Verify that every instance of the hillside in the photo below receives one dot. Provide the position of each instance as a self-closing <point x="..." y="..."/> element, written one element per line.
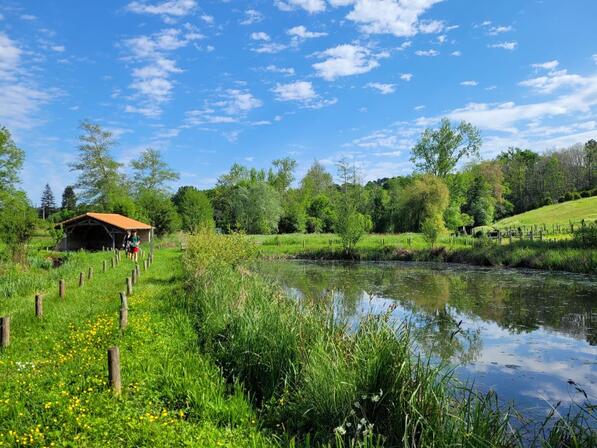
<point x="575" y="211"/>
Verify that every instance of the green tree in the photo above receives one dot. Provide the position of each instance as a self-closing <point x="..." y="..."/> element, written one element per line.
<point x="48" y="204"/>
<point x="294" y="215"/>
<point x="426" y="196"/>
<point x="99" y="177"/>
<point x="17" y="222"/>
<point x="432" y="228"/>
<point x="321" y="215"/>
<point x="69" y="198"/>
<point x="256" y="207"/>
<point x="194" y="209"/>
<point x="282" y="176"/>
<point x="438" y="151"/>
<point x="11" y="160"/>
<point x="351" y="225"/>
<point x="518" y="166"/>
<point x="317" y="181"/>
<point x="157" y="207"/>
<point x="151" y="172"/>
<point x="591" y="162"/>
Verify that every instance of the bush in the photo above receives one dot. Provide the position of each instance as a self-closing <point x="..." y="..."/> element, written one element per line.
<point x="586" y="236"/>
<point x="585" y="194"/>
<point x="562" y="199"/>
<point x="576" y="195"/>
<point x="569" y="196"/>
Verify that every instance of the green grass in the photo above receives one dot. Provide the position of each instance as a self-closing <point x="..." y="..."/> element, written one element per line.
<point x="54" y="388"/>
<point x="558" y="214"/>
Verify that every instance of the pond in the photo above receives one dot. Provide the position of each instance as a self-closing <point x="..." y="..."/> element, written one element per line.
<point x="530" y="336"/>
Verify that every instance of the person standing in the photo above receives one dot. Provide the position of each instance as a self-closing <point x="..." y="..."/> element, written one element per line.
<point x="135" y="244"/>
<point x="126" y="243"/>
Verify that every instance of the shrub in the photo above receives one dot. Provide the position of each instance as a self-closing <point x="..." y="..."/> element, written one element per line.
<point x="586" y="236"/>
<point x="585" y="194"/>
<point x="576" y="195"/>
<point x="568" y="196"/>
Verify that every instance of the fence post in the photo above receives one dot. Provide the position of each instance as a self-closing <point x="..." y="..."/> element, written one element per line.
<point x="61" y="288"/>
<point x="124" y="318"/>
<point x="90" y="273"/>
<point x="81" y="279"/>
<point x="4" y="331"/>
<point x="129" y="287"/>
<point x="134" y="276"/>
<point x="104" y="266"/>
<point x="124" y="303"/>
<point x="39" y="305"/>
<point x="138" y="270"/>
<point x="114" y="370"/>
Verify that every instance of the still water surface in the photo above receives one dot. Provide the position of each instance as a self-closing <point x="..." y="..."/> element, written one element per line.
<point x="524" y="334"/>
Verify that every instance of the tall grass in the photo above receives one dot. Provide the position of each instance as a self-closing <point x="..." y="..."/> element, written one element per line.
<point x="314" y="382"/>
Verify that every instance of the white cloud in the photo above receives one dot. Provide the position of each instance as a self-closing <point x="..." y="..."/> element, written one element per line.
<point x="270" y="48"/>
<point x="28" y="17"/>
<point x="346" y="60"/>
<point x="406" y="76"/>
<point x="10" y="57"/>
<point x="456" y="53"/>
<point x="260" y="36"/>
<point x="377" y="139"/>
<point x="505" y="45"/>
<point x="382" y="88"/>
<point x="430" y="53"/>
<point x="494" y="31"/>
<point x="302" y="33"/>
<point x="58" y="48"/>
<point x="302" y="92"/>
<point x="283" y="70"/>
<point x="251" y="16"/>
<point x="397" y="17"/>
<point x="442" y="39"/>
<point x="550" y="65"/>
<point x="168" y="10"/>
<point x="418" y="108"/>
<point x="295" y="91"/>
<point x="207" y="18"/>
<point x="469" y="83"/>
<point x="152" y="81"/>
<point x="553" y="81"/>
<point x="311" y="6"/>
<point x="238" y="102"/>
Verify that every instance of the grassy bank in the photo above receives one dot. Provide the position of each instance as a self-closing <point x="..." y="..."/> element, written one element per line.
<point x="314" y="381"/>
<point x="563" y="255"/>
<point x="54" y="374"/>
<point x="558" y="214"/>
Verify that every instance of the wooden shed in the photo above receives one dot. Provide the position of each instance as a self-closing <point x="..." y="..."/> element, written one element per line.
<point x="95" y="231"/>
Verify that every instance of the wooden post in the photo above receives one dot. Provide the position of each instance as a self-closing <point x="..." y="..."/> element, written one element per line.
<point x="39" y="305"/>
<point x="81" y="279"/>
<point x="510" y="237"/>
<point x="4" y="331"/>
<point x="138" y="270"/>
<point x="61" y="289"/>
<point x="134" y="277"/>
<point x="145" y="263"/>
<point x="90" y="273"/>
<point x="129" y="287"/>
<point x="112" y="262"/>
<point x="124" y="303"/>
<point x="124" y="318"/>
<point x="104" y="266"/>
<point x="114" y="370"/>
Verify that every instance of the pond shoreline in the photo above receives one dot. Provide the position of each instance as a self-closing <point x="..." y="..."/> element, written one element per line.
<point x="535" y="256"/>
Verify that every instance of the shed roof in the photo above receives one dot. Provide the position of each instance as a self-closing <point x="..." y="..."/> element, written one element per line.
<point x="114" y="219"/>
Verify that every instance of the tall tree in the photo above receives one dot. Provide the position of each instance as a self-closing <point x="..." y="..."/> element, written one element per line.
<point x="591" y="162"/>
<point x="99" y="177"/>
<point x="151" y="172"/>
<point x="194" y="209"/>
<point x="438" y="151"/>
<point x="282" y="176"/>
<point x="69" y="198"/>
<point x="48" y="204"/>
<point x="11" y="160"/>
<point x="317" y="181"/>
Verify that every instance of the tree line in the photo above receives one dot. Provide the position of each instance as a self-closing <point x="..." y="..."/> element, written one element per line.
<point x="451" y="189"/>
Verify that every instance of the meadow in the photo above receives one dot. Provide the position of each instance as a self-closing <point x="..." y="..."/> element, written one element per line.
<point x="557" y="214"/>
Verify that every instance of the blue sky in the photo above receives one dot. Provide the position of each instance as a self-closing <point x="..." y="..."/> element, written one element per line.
<point x="210" y="83"/>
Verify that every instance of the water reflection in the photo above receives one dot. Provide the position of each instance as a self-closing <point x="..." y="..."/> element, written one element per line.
<point x="523" y="334"/>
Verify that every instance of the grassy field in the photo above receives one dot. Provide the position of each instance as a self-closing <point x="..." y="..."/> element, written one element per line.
<point x="54" y="388"/>
<point x="562" y="214"/>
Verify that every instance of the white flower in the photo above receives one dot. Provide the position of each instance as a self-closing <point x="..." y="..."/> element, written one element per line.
<point x="340" y="430"/>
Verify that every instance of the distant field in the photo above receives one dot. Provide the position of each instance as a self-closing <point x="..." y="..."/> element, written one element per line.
<point x="562" y="214"/>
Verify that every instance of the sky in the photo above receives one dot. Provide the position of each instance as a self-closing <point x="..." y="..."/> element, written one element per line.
<point x="211" y="83"/>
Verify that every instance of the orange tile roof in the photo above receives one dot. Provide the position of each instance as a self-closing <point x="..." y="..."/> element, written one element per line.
<point x="114" y="219"/>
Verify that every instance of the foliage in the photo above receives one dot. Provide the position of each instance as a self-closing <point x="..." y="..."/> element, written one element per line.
<point x="48" y="204"/>
<point x="439" y="151"/>
<point x="99" y="177"/>
<point x="432" y="228"/>
<point x="11" y="160"/>
<point x="159" y="210"/>
<point x="17" y="222"/>
<point x="256" y="207"/>
<point x="426" y="196"/>
<point x="150" y="172"/>
<point x="294" y="214"/>
<point x="586" y="236"/>
<point x="194" y="209"/>
<point x="351" y="227"/>
<point x="69" y="198"/>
